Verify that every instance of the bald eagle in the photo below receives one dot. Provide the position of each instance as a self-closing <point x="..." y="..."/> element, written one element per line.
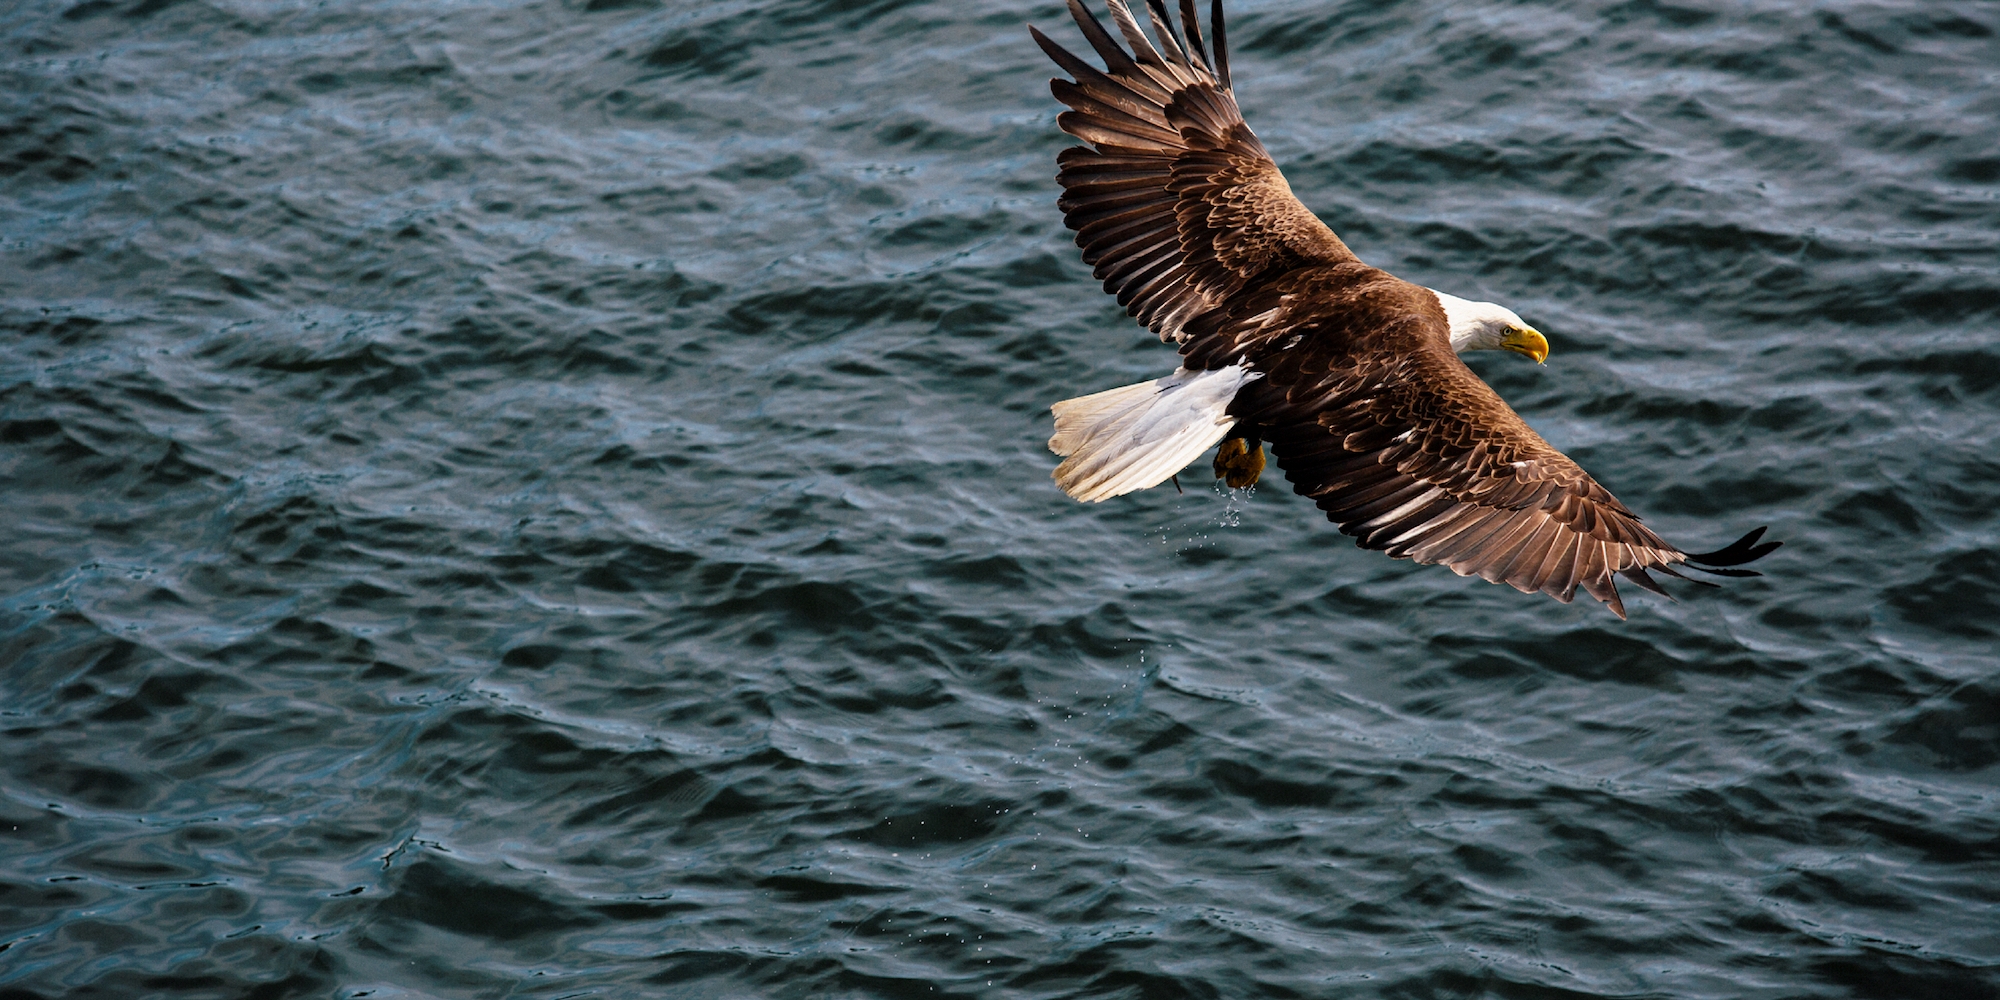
<point x="1350" y="373"/>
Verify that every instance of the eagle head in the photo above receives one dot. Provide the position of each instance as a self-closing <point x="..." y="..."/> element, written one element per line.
<point x="1484" y="326"/>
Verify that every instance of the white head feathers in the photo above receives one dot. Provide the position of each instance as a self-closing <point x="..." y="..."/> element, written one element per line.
<point x="1478" y="326"/>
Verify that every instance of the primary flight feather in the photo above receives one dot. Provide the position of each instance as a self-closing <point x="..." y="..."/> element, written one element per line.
<point x="1350" y="373"/>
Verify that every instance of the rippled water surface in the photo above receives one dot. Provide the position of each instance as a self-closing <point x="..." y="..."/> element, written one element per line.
<point x="548" y="499"/>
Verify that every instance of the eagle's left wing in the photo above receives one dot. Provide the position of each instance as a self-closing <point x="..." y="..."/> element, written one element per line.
<point x="1175" y="203"/>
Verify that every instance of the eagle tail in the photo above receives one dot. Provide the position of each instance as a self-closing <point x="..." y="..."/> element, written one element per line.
<point x="1137" y="436"/>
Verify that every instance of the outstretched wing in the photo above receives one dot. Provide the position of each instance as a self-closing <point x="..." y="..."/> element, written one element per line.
<point x="1175" y="203"/>
<point x="1372" y="415"/>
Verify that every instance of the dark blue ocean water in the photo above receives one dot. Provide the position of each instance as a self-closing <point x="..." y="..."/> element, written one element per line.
<point x="548" y="499"/>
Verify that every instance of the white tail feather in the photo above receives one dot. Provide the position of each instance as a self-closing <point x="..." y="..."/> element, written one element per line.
<point x="1137" y="436"/>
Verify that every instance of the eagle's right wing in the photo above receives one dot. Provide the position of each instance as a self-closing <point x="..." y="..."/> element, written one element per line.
<point x="1175" y="203"/>
<point x="1372" y="415"/>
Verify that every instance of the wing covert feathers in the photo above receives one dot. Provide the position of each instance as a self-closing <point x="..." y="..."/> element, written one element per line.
<point x="1175" y="203"/>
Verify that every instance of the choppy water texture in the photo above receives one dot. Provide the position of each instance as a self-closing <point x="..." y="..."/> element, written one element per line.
<point x="548" y="499"/>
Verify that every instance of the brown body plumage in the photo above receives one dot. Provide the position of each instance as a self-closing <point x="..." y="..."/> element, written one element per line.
<point x="1351" y="373"/>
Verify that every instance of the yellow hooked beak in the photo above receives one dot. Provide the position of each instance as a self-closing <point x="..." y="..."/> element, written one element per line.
<point x="1525" y="340"/>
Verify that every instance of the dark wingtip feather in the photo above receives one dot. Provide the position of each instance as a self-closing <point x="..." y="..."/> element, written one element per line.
<point x="1163" y="25"/>
<point x="1047" y="46"/>
<point x="1191" y="32"/>
<point x="1062" y="57"/>
<point x="1221" y="43"/>
<point x="1678" y="575"/>
<point x="1605" y="589"/>
<point x="1638" y="575"/>
<point x="1736" y="553"/>
<point x="1115" y="58"/>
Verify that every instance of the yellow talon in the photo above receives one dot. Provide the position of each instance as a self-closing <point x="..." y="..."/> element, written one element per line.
<point x="1237" y="464"/>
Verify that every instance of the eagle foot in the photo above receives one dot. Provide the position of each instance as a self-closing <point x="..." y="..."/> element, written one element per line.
<point x="1238" y="463"/>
